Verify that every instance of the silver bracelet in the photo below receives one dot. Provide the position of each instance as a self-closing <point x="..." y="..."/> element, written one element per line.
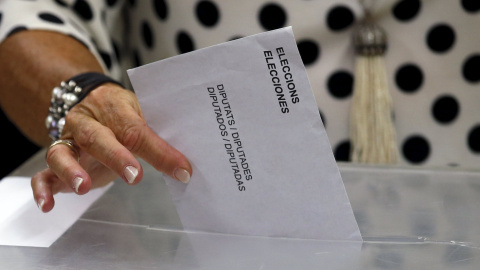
<point x="67" y="95"/>
<point x="63" y="99"/>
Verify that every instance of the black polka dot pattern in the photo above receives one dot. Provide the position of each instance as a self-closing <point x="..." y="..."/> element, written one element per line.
<point x="416" y="149"/>
<point x="309" y="51"/>
<point x="440" y="38"/>
<point x="342" y="151"/>
<point x="207" y="13"/>
<point x="272" y="16"/>
<point x="184" y="42"/>
<point x="471" y="6"/>
<point x="340" y="18"/>
<point x="111" y="3"/>
<point x="83" y="9"/>
<point x="406" y="10"/>
<point x="409" y="78"/>
<point x="16" y="30"/>
<point x="435" y="85"/>
<point x="473" y="139"/>
<point x="340" y="84"/>
<point x="107" y="59"/>
<point x="49" y="17"/>
<point x="471" y="69"/>
<point x="61" y="3"/>
<point x="137" y="61"/>
<point x="161" y="9"/>
<point x="147" y="35"/>
<point x="445" y="109"/>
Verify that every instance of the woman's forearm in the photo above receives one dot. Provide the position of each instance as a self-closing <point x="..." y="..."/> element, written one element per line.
<point x="32" y="64"/>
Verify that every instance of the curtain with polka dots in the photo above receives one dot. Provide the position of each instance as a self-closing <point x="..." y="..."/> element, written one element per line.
<point x="433" y="56"/>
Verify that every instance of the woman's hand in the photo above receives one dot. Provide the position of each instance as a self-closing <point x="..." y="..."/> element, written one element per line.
<point x="108" y="129"/>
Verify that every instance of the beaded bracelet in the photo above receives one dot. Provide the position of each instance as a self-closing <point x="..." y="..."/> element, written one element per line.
<point x="67" y="95"/>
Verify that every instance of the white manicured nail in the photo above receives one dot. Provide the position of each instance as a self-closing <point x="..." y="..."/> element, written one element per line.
<point x="130" y="173"/>
<point x="40" y="204"/>
<point x="77" y="182"/>
<point x="182" y="175"/>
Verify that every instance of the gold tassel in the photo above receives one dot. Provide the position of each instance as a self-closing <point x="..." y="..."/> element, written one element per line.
<point x="371" y="129"/>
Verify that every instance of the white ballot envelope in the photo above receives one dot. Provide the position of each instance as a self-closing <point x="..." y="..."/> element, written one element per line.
<point x="244" y="114"/>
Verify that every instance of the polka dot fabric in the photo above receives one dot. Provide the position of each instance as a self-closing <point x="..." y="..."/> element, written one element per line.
<point x="433" y="57"/>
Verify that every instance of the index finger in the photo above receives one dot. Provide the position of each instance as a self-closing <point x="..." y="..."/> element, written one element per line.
<point x="145" y="143"/>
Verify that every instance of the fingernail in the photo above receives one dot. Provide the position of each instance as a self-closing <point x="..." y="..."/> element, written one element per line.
<point x="40" y="204"/>
<point x="182" y="175"/>
<point x="77" y="182"/>
<point x="130" y="173"/>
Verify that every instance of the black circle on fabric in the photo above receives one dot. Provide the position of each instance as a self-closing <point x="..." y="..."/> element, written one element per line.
<point x="471" y="5"/>
<point x="272" y="16"/>
<point x="409" y="78"/>
<point x="132" y="3"/>
<point x="79" y="40"/>
<point x="147" y="35"/>
<point x="406" y="10"/>
<point x="207" y="13"/>
<point x="322" y="117"/>
<point x="416" y="149"/>
<point x="137" y="61"/>
<point x="116" y="50"/>
<point x="83" y="9"/>
<point x="16" y="30"/>
<point x="440" y="38"/>
<point x="61" y="3"/>
<point x="107" y="59"/>
<point x="445" y="109"/>
<point x="474" y="139"/>
<point x="49" y="17"/>
<point x="309" y="51"/>
<point x="184" y="42"/>
<point x="339" y="18"/>
<point x="161" y="9"/>
<point x="471" y="69"/>
<point x="342" y="151"/>
<point x="340" y="84"/>
<point x="111" y="3"/>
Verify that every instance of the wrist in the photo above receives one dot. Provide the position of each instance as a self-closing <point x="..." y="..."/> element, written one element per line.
<point x="68" y="94"/>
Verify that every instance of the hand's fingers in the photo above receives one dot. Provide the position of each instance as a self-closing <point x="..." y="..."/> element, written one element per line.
<point x="146" y="144"/>
<point x="100" y="142"/>
<point x="118" y="110"/>
<point x="132" y="132"/>
<point x="44" y="185"/>
<point x="62" y="161"/>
